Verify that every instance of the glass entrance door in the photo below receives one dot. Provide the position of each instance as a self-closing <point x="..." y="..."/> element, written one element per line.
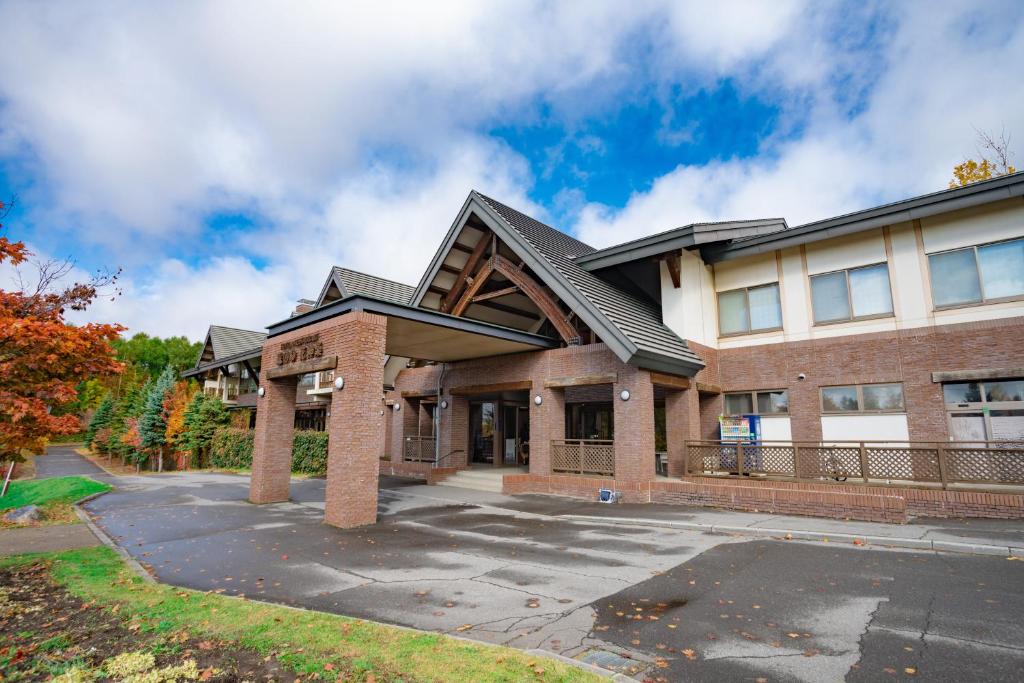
<point x="481" y="420"/>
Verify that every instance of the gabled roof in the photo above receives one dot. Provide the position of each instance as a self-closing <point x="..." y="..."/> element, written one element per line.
<point x="231" y="341"/>
<point x="353" y="283"/>
<point x="632" y="328"/>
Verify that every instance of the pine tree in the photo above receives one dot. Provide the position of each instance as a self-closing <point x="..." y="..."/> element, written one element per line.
<point x="153" y="420"/>
<point x="126" y="412"/>
<point x="100" y="419"/>
<point x="203" y="417"/>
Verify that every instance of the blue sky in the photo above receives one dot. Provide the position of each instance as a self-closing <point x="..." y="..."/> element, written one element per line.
<point x="227" y="154"/>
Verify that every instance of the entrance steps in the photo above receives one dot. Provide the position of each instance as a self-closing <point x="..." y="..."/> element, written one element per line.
<point x="478" y="479"/>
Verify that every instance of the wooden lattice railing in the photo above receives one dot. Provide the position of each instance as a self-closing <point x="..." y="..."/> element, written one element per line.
<point x="419" y="449"/>
<point x="583" y="456"/>
<point x="875" y="462"/>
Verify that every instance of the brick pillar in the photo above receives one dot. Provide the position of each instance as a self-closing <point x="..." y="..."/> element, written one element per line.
<point x="455" y="431"/>
<point x="682" y="423"/>
<point x="634" y="426"/>
<point x="355" y="424"/>
<point x="272" y="440"/>
<point x="547" y="422"/>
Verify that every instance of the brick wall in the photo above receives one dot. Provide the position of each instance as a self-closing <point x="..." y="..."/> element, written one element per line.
<point x="907" y="356"/>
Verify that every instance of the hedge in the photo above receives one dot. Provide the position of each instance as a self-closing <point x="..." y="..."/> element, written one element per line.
<point x="232" y="449"/>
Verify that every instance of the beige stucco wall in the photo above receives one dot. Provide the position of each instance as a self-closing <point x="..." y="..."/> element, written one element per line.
<point x="691" y="311"/>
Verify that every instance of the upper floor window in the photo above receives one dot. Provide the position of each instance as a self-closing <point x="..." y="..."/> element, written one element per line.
<point x="851" y="294"/>
<point x="975" y="275"/>
<point x="751" y="309"/>
<point x="774" y="402"/>
<point x="863" y="398"/>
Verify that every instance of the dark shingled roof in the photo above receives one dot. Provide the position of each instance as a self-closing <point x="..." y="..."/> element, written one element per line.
<point x="353" y="283"/>
<point x="637" y="320"/>
<point x="231" y="341"/>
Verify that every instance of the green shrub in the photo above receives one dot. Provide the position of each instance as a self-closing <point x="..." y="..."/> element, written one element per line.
<point x="232" y="449"/>
<point x="309" y="452"/>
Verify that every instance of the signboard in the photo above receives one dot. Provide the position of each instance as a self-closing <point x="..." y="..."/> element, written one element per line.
<point x="303" y="348"/>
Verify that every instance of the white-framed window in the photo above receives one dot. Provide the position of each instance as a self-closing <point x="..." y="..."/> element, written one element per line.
<point x="863" y="398"/>
<point x="750" y="309"/>
<point x="768" y="402"/>
<point x="978" y="274"/>
<point x="851" y="294"/>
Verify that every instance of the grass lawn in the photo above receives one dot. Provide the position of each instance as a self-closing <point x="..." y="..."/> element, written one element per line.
<point x="314" y="645"/>
<point x="55" y="496"/>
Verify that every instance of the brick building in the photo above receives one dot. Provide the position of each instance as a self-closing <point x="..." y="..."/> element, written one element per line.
<point x="575" y="368"/>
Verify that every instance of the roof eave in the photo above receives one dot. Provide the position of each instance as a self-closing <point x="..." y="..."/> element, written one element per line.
<point x="1005" y="187"/>
<point x="662" y="363"/>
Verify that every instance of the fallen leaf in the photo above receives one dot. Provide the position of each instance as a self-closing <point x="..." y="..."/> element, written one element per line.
<point x="910" y="670"/>
<point x="689" y="654"/>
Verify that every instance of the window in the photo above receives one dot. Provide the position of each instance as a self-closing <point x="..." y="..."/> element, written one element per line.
<point x="864" y="398"/>
<point x="977" y="274"/>
<point x="752" y="309"/>
<point x="773" y="402"/>
<point x="851" y="294"/>
<point x="984" y="392"/>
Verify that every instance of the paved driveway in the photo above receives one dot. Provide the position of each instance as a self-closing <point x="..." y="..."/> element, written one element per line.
<point x="676" y="605"/>
<point x="63" y="461"/>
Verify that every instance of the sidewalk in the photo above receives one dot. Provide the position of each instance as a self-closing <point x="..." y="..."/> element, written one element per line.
<point x="978" y="536"/>
<point x="46" y="539"/>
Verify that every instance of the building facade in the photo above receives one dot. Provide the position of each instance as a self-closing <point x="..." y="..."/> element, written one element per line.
<point x="579" y="368"/>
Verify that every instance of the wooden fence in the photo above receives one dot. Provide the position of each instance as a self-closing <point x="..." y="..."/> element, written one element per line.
<point x="419" y="449"/>
<point x="583" y="456"/>
<point x="975" y="462"/>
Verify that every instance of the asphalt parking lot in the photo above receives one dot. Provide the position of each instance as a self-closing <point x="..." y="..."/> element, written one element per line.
<point x="656" y="603"/>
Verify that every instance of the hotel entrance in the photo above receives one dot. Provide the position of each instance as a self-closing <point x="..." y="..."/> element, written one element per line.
<point x="500" y="430"/>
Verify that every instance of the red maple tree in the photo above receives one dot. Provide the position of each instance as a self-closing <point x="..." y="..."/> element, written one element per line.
<point x="42" y="356"/>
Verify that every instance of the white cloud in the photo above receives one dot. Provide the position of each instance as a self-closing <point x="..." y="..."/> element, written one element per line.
<point x="941" y="82"/>
<point x="354" y="128"/>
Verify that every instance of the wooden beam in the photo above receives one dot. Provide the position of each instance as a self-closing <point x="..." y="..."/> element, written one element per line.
<point x="458" y="246"/>
<point x="547" y="305"/>
<point x="660" y="379"/>
<point x="450" y="269"/>
<point x="252" y="373"/>
<point x="471" y="389"/>
<point x="467" y="296"/>
<point x="495" y="294"/>
<point x="708" y="388"/>
<point x="303" y="367"/>
<point x="467" y="270"/>
<point x="672" y="263"/>
<point x="419" y="393"/>
<point x="437" y="290"/>
<point x="581" y="381"/>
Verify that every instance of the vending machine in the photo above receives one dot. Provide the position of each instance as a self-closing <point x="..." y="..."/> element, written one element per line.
<point x="745" y="429"/>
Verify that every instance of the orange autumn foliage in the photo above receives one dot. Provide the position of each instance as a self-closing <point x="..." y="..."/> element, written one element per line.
<point x="43" y="358"/>
<point x="175" y="405"/>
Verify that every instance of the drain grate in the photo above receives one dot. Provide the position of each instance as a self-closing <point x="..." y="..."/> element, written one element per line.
<point x="611" y="661"/>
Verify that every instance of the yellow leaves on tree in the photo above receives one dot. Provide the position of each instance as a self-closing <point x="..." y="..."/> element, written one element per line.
<point x="971" y="171"/>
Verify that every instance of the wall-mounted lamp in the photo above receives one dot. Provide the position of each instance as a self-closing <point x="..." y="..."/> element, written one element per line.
<point x="339" y="383"/>
<point x="537" y="400"/>
<point x="624" y="394"/>
<point x="444" y="405"/>
<point x="261" y="391"/>
<point x="397" y="407"/>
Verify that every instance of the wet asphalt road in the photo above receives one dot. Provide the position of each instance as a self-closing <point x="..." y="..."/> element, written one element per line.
<point x="505" y="570"/>
<point x="62" y="461"/>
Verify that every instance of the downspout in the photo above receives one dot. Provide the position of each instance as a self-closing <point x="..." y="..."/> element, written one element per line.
<point x="437" y="415"/>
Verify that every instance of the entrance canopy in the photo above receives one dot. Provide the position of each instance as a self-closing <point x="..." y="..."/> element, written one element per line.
<point x="426" y="334"/>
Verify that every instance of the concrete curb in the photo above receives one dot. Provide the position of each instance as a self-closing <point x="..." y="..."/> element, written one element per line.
<point x="108" y="541"/>
<point x="818" y="536"/>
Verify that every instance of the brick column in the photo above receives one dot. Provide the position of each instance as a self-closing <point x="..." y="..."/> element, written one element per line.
<point x="355" y="424"/>
<point x="682" y="423"/>
<point x="634" y="426"/>
<point x="272" y="440"/>
<point x="454" y="431"/>
<point x="547" y="422"/>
